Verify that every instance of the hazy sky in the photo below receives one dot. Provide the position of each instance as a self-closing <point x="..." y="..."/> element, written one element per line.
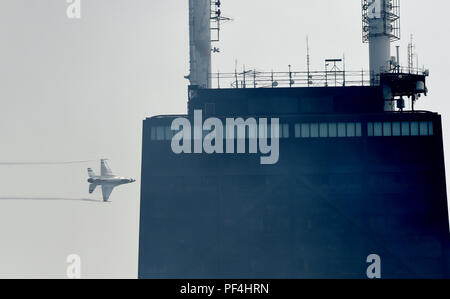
<point x="79" y="90"/>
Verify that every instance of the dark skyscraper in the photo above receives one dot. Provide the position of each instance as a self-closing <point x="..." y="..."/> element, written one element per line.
<point x="357" y="174"/>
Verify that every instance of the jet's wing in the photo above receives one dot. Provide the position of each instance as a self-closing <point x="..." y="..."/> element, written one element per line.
<point x="92" y="188"/>
<point x="106" y="190"/>
<point x="105" y="170"/>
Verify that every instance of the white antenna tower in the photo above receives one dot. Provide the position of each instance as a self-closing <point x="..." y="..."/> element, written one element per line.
<point x="381" y="26"/>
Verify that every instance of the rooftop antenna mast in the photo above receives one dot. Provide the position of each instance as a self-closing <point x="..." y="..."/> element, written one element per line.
<point x="205" y="17"/>
<point x="200" y="43"/>
<point x="381" y="26"/>
<point x="412" y="55"/>
<point x="308" y="61"/>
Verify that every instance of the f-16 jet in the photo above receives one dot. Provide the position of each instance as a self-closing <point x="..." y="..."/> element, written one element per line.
<point x="107" y="180"/>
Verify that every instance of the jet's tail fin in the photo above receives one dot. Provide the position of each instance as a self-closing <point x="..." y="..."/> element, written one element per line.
<point x="105" y="169"/>
<point x="91" y="173"/>
<point x="92" y="188"/>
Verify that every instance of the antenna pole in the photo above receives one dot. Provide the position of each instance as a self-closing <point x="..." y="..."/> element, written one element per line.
<point x="308" y="62"/>
<point x="218" y="79"/>
<point x="290" y="76"/>
<point x="343" y="61"/>
<point x="235" y="74"/>
<point x="244" y="84"/>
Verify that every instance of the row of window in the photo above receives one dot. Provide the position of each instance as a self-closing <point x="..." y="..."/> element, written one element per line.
<point x="328" y="130"/>
<point x="404" y="128"/>
<point x="319" y="130"/>
<point x="251" y="132"/>
<point x="161" y="133"/>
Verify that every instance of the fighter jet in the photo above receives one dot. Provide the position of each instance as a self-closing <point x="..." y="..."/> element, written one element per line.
<point x="107" y="180"/>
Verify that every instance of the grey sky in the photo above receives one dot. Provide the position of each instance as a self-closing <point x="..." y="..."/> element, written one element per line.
<point x="79" y="90"/>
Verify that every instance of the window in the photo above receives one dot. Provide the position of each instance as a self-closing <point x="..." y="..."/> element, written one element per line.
<point x="314" y="130"/>
<point x="323" y="130"/>
<point x="298" y="131"/>
<point x="284" y="131"/>
<point x="396" y="129"/>
<point x="342" y="130"/>
<point x="351" y="130"/>
<point x="414" y="128"/>
<point x="423" y="128"/>
<point x="387" y="129"/>
<point x="370" y="129"/>
<point x="405" y="128"/>
<point x="332" y="130"/>
<point x="305" y="130"/>
<point x="430" y="128"/>
<point x="378" y="129"/>
<point x="358" y="130"/>
<point x="160" y="133"/>
<point x="169" y="133"/>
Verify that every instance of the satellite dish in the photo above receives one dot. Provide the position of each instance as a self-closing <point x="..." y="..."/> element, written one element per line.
<point x="274" y="84"/>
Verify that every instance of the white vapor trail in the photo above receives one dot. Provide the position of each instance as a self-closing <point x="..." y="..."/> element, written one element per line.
<point x="45" y="163"/>
<point x="12" y="198"/>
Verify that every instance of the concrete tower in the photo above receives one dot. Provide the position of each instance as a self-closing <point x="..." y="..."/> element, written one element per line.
<point x="381" y="26"/>
<point x="200" y="43"/>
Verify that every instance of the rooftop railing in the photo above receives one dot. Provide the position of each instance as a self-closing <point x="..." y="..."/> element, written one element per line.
<point x="331" y="78"/>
